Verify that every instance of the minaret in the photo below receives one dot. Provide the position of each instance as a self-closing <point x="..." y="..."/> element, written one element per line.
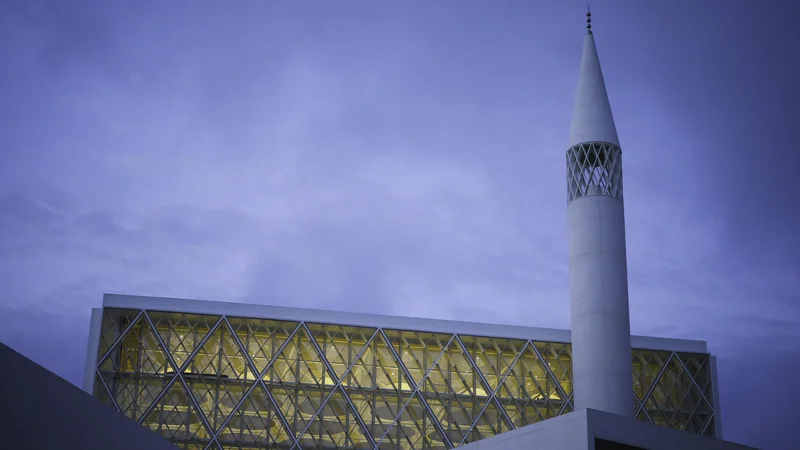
<point x="601" y="333"/>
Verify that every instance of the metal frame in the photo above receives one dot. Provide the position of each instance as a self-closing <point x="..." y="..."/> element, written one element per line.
<point x="338" y="386"/>
<point x="492" y="396"/>
<point x="263" y="384"/>
<point x="260" y="383"/>
<point x="448" y="347"/>
<point x="179" y="373"/>
<point x="649" y="392"/>
<point x="415" y="392"/>
<point x="594" y="168"/>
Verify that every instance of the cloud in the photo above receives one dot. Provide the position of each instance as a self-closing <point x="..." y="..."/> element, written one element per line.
<point x="397" y="160"/>
<point x="402" y="236"/>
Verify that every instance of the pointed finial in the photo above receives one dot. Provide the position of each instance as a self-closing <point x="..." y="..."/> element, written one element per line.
<point x="588" y="19"/>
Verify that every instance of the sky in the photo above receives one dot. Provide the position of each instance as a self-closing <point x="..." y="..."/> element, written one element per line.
<point x="403" y="158"/>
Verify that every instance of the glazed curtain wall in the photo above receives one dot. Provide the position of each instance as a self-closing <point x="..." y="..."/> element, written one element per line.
<point x="211" y="382"/>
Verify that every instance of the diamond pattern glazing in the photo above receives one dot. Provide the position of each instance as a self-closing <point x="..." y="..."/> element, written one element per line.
<point x="211" y="382"/>
<point x="594" y="168"/>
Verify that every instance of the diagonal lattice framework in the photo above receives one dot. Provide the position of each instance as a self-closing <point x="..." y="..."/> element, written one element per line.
<point x="680" y="397"/>
<point x="594" y="168"/>
<point x="218" y="382"/>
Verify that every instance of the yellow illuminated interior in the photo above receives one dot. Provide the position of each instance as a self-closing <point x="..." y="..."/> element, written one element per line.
<point x="337" y="387"/>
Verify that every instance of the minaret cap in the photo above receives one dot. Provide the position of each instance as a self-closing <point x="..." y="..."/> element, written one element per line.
<point x="588" y="19"/>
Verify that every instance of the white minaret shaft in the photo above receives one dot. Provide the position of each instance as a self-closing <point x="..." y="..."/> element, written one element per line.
<point x="601" y="334"/>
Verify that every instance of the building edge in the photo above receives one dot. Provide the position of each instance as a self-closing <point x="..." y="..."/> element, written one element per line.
<point x="92" y="347"/>
<point x="358" y="319"/>
<point x="715" y="397"/>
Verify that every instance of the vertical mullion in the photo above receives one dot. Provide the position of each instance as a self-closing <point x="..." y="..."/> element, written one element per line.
<point x="421" y="398"/>
<point x="493" y="393"/>
<point x="179" y="374"/>
<point x="218" y="379"/>
<point x="277" y="352"/>
<point x="119" y="338"/>
<point x="337" y="386"/>
<point x="138" y="371"/>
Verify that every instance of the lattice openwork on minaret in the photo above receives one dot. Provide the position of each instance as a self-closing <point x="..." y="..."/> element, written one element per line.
<point x="219" y="383"/>
<point x="594" y="168"/>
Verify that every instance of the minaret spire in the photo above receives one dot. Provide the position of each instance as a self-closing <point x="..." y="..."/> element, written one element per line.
<point x="591" y="117"/>
<point x="601" y="335"/>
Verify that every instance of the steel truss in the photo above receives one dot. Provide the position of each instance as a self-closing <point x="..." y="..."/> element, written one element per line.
<point x="594" y="168"/>
<point x="211" y="382"/>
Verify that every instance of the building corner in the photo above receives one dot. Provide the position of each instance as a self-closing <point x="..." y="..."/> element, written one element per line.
<point x="92" y="346"/>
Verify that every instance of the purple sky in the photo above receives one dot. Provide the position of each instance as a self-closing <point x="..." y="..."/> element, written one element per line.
<point x="402" y="158"/>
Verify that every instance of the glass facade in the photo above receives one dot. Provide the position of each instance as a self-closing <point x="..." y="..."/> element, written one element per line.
<point x="222" y="382"/>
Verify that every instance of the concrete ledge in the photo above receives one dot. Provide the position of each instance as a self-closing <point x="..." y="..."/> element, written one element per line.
<point x="579" y="429"/>
<point x="644" y="435"/>
<point x="565" y="432"/>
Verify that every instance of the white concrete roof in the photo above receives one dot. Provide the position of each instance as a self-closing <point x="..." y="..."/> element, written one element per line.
<point x="376" y="321"/>
<point x="578" y="430"/>
<point x="592" y="120"/>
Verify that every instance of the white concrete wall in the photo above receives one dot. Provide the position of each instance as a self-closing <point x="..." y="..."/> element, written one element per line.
<point x="92" y="347"/>
<point x="652" y="437"/>
<point x="567" y="432"/>
<point x="577" y="431"/>
<point x="601" y="336"/>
